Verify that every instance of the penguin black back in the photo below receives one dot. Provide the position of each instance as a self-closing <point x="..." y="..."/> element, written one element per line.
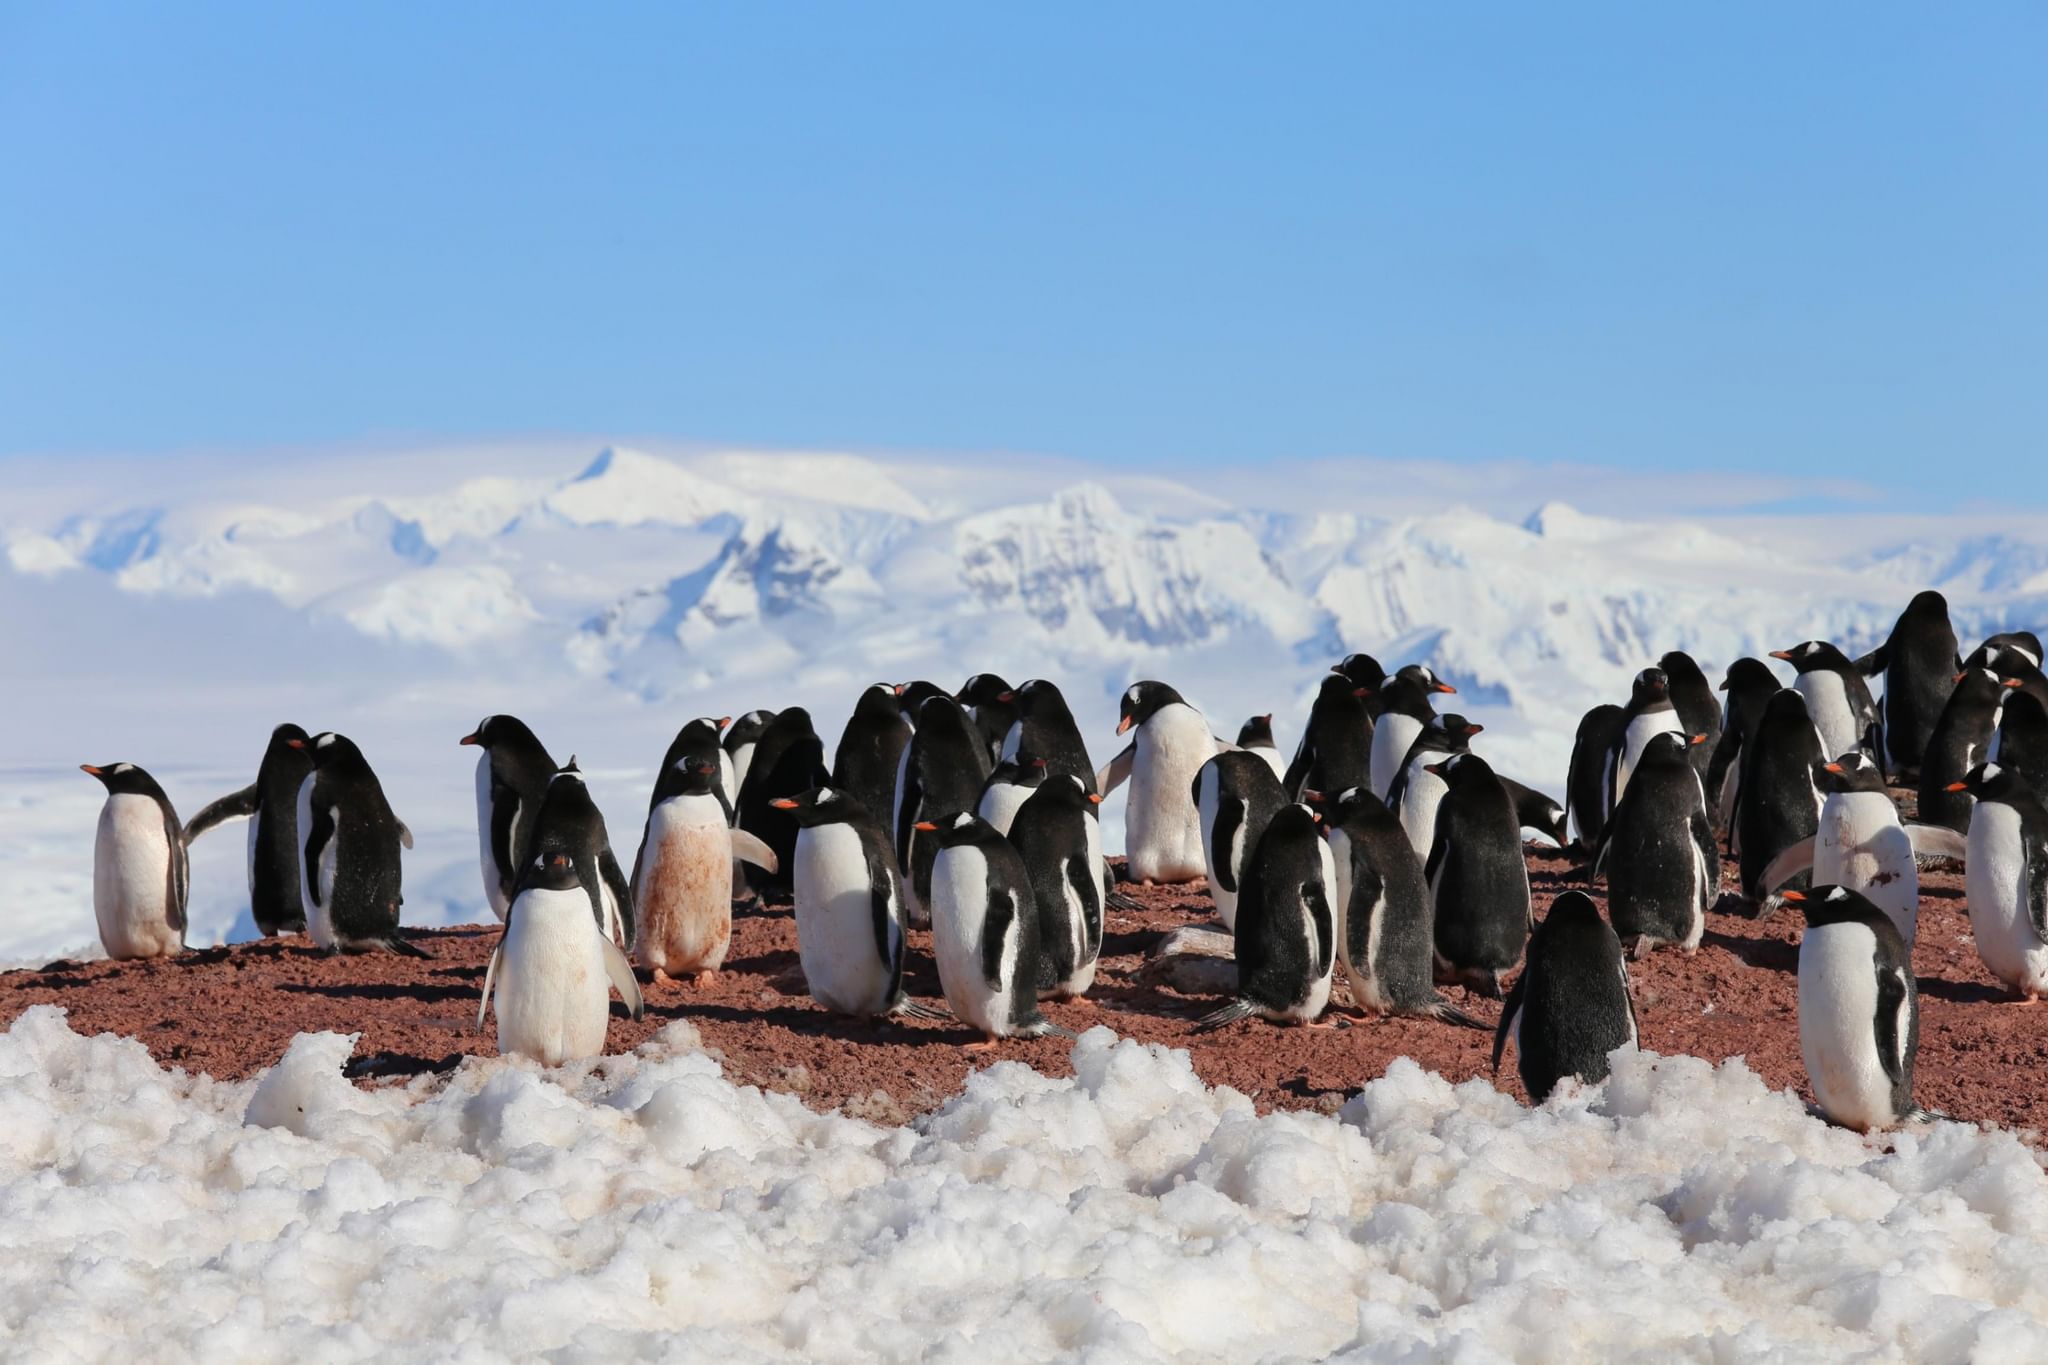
<point x="871" y="748"/>
<point x="1919" y="663"/>
<point x="1750" y="685"/>
<point x="1478" y="880"/>
<point x="2023" y="741"/>
<point x="349" y="848"/>
<point x="1336" y="746"/>
<point x="1778" y="805"/>
<point x="788" y="761"/>
<point x="1961" y="739"/>
<point x="1585" y="788"/>
<point x="1286" y="927"/>
<point x="272" y="802"/>
<point x="1051" y="834"/>
<point x="1699" y="710"/>
<point x="1570" y="1007"/>
<point x="1045" y="727"/>
<point x="948" y="768"/>
<point x="992" y="704"/>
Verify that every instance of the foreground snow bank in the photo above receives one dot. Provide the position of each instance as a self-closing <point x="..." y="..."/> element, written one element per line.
<point x="644" y="1206"/>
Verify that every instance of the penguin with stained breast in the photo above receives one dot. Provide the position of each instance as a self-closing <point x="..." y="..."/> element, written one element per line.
<point x="1058" y="837"/>
<point x="1255" y="737"/>
<point x="1586" y="784"/>
<point x="1778" y="804"/>
<point x="789" y="759"/>
<point x="2006" y="879"/>
<point x="1537" y="812"/>
<point x="1859" y="1010"/>
<point x="349" y="871"/>
<point x="271" y="804"/>
<point x="1404" y="710"/>
<point x="1162" y="825"/>
<point x="849" y="906"/>
<point x="1286" y="928"/>
<point x="553" y="971"/>
<point x="1236" y="796"/>
<point x="1335" y="753"/>
<point x="682" y="876"/>
<point x="1750" y="685"/>
<point x="742" y="737"/>
<point x="140" y="876"/>
<point x="992" y="705"/>
<point x="1662" y="866"/>
<point x="1961" y="740"/>
<point x="1570" y="1008"/>
<point x="1417" y="791"/>
<point x="570" y="822"/>
<point x="1478" y="881"/>
<point x="1651" y="712"/>
<point x="1699" y="710"/>
<point x="1386" y="924"/>
<point x="1045" y="728"/>
<point x="1918" y="662"/>
<point x="1009" y="786"/>
<point x="2022" y="742"/>
<point x="871" y="750"/>
<point x="1837" y="699"/>
<point x="984" y="928"/>
<point x="945" y="769"/>
<point x="512" y="775"/>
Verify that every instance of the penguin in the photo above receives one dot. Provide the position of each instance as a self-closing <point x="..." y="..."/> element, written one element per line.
<point x="1750" y="685"/>
<point x="1662" y="866"/>
<point x="1009" y="786"/>
<point x="984" y="928"/>
<point x="1918" y="663"/>
<point x="742" y="737"/>
<point x="2012" y="662"/>
<point x="871" y="750"/>
<point x="1235" y="796"/>
<point x="911" y="697"/>
<point x="2022" y="742"/>
<point x="1364" y="671"/>
<point x="945" y="769"/>
<point x="1859" y="1010"/>
<point x="271" y="804"/>
<point x="553" y="972"/>
<point x="1585" y="788"/>
<point x="570" y="822"/>
<point x="1571" y="1008"/>
<point x="1045" y="727"/>
<point x="788" y="759"/>
<point x="2006" y="879"/>
<point x="2025" y="641"/>
<point x="1417" y="792"/>
<point x="1404" y="710"/>
<point x="1058" y="837"/>
<point x="1162" y="827"/>
<point x="1255" y="737"/>
<point x="849" y="906"/>
<point x="1650" y="712"/>
<point x="1286" y="929"/>
<point x="1699" y="710"/>
<point x="681" y="887"/>
<point x="349" y="872"/>
<point x="1538" y="812"/>
<point x="1335" y="752"/>
<point x="1778" y="804"/>
<point x="1478" y="881"/>
<point x="1837" y="698"/>
<point x="512" y="775"/>
<point x="1386" y="924"/>
<point x="992" y="706"/>
<point x="1960" y="741"/>
<point x="700" y="739"/>
<point x="140" y="876"/>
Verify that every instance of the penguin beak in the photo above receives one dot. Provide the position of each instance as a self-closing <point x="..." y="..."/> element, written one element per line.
<point x="1698" y="739"/>
<point x="1123" y="725"/>
<point x="94" y="769"/>
<point x="1094" y="798"/>
<point x="1313" y="798"/>
<point x="1957" y="787"/>
<point x="1006" y="697"/>
<point x="466" y="739"/>
<point x="300" y="743"/>
<point x="783" y="803"/>
<point x="1356" y="692"/>
<point x="1831" y="767"/>
<point x="1474" y="729"/>
<point x="1960" y="676"/>
<point x="1796" y="897"/>
<point x="899" y="689"/>
<point x="2012" y="682"/>
<point x="1436" y="769"/>
<point x="1721" y="686"/>
<point x="724" y="721"/>
<point x="928" y="826"/>
<point x="1446" y="687"/>
<point x="1784" y="654"/>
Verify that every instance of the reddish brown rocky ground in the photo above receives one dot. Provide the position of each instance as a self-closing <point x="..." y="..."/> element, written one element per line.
<point x="232" y="1011"/>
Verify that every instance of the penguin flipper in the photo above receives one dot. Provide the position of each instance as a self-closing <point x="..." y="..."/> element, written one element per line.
<point x="1229" y="1014"/>
<point x="620" y="894"/>
<point x="1938" y="841"/>
<point x="1893" y="1033"/>
<point x="234" y="806"/>
<point x="623" y="981"/>
<point x="1118" y="770"/>
<point x="1873" y="663"/>
<point x="1119" y="900"/>
<point x="1444" y="1012"/>
<point x="405" y="947"/>
<point x="490" y="974"/>
<point x="1794" y="860"/>
<point x="748" y="848"/>
<point x="1510" y="1009"/>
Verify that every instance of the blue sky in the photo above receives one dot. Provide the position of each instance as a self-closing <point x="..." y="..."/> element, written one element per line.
<point x="1754" y="238"/>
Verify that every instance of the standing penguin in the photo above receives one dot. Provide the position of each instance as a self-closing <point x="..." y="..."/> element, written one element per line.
<point x="945" y="769"/>
<point x="1651" y="712"/>
<point x="1837" y="698"/>
<point x="992" y="706"/>
<point x="350" y="876"/>
<point x="985" y="929"/>
<point x="140" y="876"/>
<point x="1918" y="663"/>
<point x="1478" y="882"/>
<point x="1778" y="803"/>
<point x="681" y="888"/>
<point x="2023" y="742"/>
<point x="1586" y="785"/>
<point x="2006" y="880"/>
<point x="871" y="750"/>
<point x="1162" y="827"/>
<point x="553" y="972"/>
<point x="1416" y="791"/>
<point x="1404" y="710"/>
<point x="699" y="739"/>
<point x="271" y="804"/>
<point x="1286" y="928"/>
<point x="741" y="739"/>
<point x="1960" y="741"/>
<point x="1059" y="839"/>
<point x="1386" y="925"/>
<point x="1255" y="736"/>
<point x="1335" y="753"/>
<point x="1663" y="868"/>
<point x="789" y="759"/>
<point x="1699" y="711"/>
<point x="1045" y="727"/>
<point x="1236" y="796"/>
<point x="570" y="822"/>
<point x="1859" y="1010"/>
<point x="1750" y="685"/>
<point x="1571" y="1007"/>
<point x="1009" y="786"/>
<point x="849" y="905"/>
<point x="512" y="775"/>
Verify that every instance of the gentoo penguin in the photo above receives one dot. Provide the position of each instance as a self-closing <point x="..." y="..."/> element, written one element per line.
<point x="1585" y="787"/>
<point x="570" y="822"/>
<point x="849" y="905"/>
<point x="1286" y="929"/>
<point x="1404" y="709"/>
<point x="1045" y="727"/>
<point x="699" y="739"/>
<point x="1235" y="795"/>
<point x="1335" y="752"/>
<point x="871" y="750"/>
<point x="1750" y="685"/>
<point x="1009" y="786"/>
<point x="1837" y="699"/>
<point x="2006" y="879"/>
<point x="1571" y="1007"/>
<point x="1478" y="883"/>
<point x="1057" y="835"/>
<point x="1364" y="671"/>
<point x="911" y="697"/>
<point x="992" y="706"/>
<point x="1662" y="865"/>
<point x="1650" y="712"/>
<point x="2023" y="742"/>
<point x="1778" y="804"/>
<point x="512" y="775"/>
<point x="1416" y="791"/>
<point x="1386" y="925"/>
<point x="2013" y="663"/>
<point x="945" y="769"/>
<point x="1699" y="710"/>
<point x="271" y="804"/>
<point x="553" y="971"/>
<point x="2024" y="641"/>
<point x="349" y="874"/>
<point x="1918" y="663"/>
<point x="1859" y="1010"/>
<point x="741" y="739"/>
<point x="1960" y="741"/>
<point x="1537" y="811"/>
<point x="1162" y="827"/>
<point x="140" y="877"/>
<point x="984" y="928"/>
<point x="681" y="888"/>
<point x="1255" y="736"/>
<point x="789" y="759"/>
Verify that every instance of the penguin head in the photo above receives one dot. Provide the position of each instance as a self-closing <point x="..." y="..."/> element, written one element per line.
<point x="1812" y="654"/>
<point x="1785" y="708"/>
<point x="283" y="735"/>
<point x="1455" y="731"/>
<point x="1667" y="750"/>
<point x="1832" y="904"/>
<point x="747" y="729"/>
<point x="1929" y="605"/>
<point x="697" y="774"/>
<point x="122" y="779"/>
<point x="328" y="749"/>
<point x="1990" y="782"/>
<point x="1040" y="692"/>
<point x="819" y="806"/>
<point x="1068" y="792"/>
<point x="911" y="697"/>
<point x="492" y="731"/>
<point x="1256" y="733"/>
<point x="1463" y="770"/>
<point x="1295" y="820"/>
<point x="2022" y="642"/>
<point x="1142" y="701"/>
<point x="1681" y="667"/>
<point x="964" y="828"/>
<point x="1572" y="912"/>
<point x="984" y="689"/>
<point x="1652" y="685"/>
<point x="1363" y="670"/>
<point x="1424" y="677"/>
<point x="551" y="870"/>
<point x="878" y="702"/>
<point x="1024" y="770"/>
<point x="1336" y="688"/>
<point x="1354" y="808"/>
<point x="1749" y="675"/>
<point x="1852" y="772"/>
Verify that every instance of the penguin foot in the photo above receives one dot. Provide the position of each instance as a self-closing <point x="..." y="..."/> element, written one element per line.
<point x="704" y="978"/>
<point x="662" y="978"/>
<point x="986" y="1044"/>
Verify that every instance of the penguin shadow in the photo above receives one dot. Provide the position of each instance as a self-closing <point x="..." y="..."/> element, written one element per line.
<point x="762" y="909"/>
<point x="771" y="963"/>
<point x="1127" y="942"/>
<point x="1771" y="954"/>
<point x="806" y="1020"/>
<point x="203" y="957"/>
<point x="381" y="990"/>
<point x="1963" y="992"/>
<point x="473" y="973"/>
<point x="397" y="1065"/>
<point x="1299" y="1088"/>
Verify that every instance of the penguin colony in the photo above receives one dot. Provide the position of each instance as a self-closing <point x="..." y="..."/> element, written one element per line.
<point x="1386" y="853"/>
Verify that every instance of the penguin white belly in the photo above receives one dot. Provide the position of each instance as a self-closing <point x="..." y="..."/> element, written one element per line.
<point x="959" y="915"/>
<point x="1391" y="739"/>
<point x="1827" y="701"/>
<point x="1838" y="1025"/>
<point x="1162" y="828"/>
<point x="131" y="866"/>
<point x="553" y="997"/>
<point x="1995" y="882"/>
<point x="835" y="933"/>
<point x="1421" y="796"/>
<point x="1000" y="804"/>
<point x="493" y="892"/>
<point x="1861" y="845"/>
<point x="681" y="904"/>
<point x="1641" y="730"/>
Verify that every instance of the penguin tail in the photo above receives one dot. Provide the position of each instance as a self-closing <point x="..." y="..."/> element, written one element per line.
<point x="1444" y="1012"/>
<point x="1119" y="901"/>
<point x="1229" y="1014"/>
<point x="1042" y="1027"/>
<point x="906" y="1008"/>
<point x="1918" y="1115"/>
<point x="405" y="947"/>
